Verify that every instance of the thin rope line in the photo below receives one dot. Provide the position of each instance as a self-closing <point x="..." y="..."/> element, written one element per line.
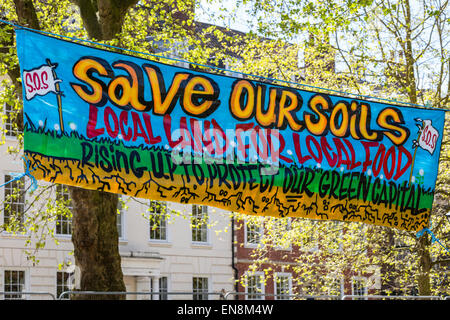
<point x="27" y="172"/>
<point x="221" y="69"/>
<point x="433" y="237"/>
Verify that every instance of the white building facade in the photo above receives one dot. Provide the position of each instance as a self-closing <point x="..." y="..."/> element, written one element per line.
<point x="160" y="254"/>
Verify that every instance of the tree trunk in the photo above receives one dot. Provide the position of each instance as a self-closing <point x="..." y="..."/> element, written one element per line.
<point x="95" y="236"/>
<point x="410" y="77"/>
<point x="95" y="239"/>
<point x="26" y="13"/>
<point x="111" y="17"/>
<point x="103" y="19"/>
<point x="425" y="263"/>
<point x="423" y="277"/>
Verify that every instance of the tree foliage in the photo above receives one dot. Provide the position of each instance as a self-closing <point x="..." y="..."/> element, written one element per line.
<point x="390" y="49"/>
<point x="383" y="48"/>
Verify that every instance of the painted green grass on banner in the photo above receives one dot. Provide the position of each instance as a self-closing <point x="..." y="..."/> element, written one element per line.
<point x="69" y="146"/>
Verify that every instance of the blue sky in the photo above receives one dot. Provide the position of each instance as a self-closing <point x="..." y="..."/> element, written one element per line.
<point x="212" y="13"/>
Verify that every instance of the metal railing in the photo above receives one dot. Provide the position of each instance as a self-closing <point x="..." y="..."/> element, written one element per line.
<point x="92" y="293"/>
<point x="20" y="295"/>
<point x="380" y="297"/>
<point x="282" y="296"/>
<point x="25" y="295"/>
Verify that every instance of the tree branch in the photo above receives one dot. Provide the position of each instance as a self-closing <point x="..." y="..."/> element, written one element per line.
<point x="111" y="16"/>
<point x="88" y="12"/>
<point x="27" y="14"/>
<point x="444" y="261"/>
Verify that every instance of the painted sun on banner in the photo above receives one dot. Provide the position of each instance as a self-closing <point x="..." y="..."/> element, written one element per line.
<point x="113" y="122"/>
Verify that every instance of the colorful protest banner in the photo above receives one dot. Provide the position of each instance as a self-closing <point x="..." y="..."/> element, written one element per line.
<point x="114" y="122"/>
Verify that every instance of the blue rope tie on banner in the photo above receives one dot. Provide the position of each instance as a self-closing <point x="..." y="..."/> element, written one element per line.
<point x="433" y="237"/>
<point x="18" y="176"/>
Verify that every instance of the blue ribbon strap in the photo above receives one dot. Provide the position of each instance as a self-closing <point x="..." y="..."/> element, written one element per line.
<point x="433" y="237"/>
<point x="18" y="176"/>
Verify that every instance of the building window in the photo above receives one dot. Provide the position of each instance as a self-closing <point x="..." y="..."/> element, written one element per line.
<point x="14" y="284"/>
<point x="253" y="233"/>
<point x="158" y="220"/>
<point x="200" y="288"/>
<point x="280" y="229"/>
<point x="359" y="288"/>
<point x="283" y="286"/>
<point x="64" y="211"/>
<point x="335" y="287"/>
<point x="199" y="223"/>
<point x="310" y="239"/>
<point x="65" y="281"/>
<point x="163" y="288"/>
<point x="234" y="65"/>
<point x="10" y="121"/>
<point x="255" y="287"/>
<point x="336" y="243"/>
<point x="14" y="203"/>
<point x="120" y="217"/>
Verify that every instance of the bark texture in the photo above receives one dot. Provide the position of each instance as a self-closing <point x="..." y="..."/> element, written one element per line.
<point x="95" y="239"/>
<point x="425" y="264"/>
<point x="103" y="19"/>
<point x="95" y="236"/>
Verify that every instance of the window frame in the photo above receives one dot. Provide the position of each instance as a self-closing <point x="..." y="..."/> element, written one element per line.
<point x="260" y="232"/>
<point x="59" y="217"/>
<point x="203" y="229"/>
<point x="163" y="293"/>
<point x="196" y="292"/>
<point x="121" y="219"/>
<point x="70" y="287"/>
<point x="23" y="195"/>
<point x="312" y="239"/>
<point x="161" y="226"/>
<point x="288" y="227"/>
<point x="8" y="124"/>
<point x="261" y="294"/>
<point x="337" y="280"/>
<point x="23" y="288"/>
<point x="365" y="288"/>
<point x="276" y="285"/>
